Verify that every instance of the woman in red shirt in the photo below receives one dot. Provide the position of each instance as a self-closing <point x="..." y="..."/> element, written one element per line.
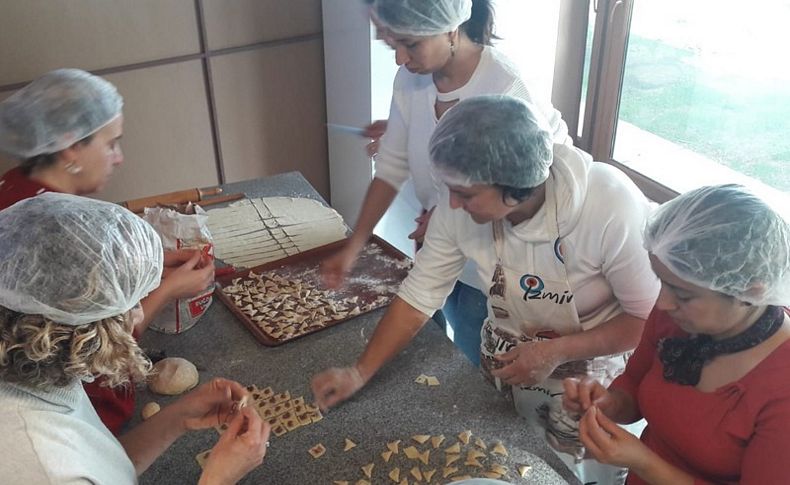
<point x="710" y="375"/>
<point x="64" y="128"/>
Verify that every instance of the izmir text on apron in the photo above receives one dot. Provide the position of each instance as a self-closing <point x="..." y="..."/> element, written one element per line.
<point x="534" y="305"/>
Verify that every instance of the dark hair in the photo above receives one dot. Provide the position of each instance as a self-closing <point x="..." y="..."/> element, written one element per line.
<point x="480" y="26"/>
<point x="519" y="194"/>
<point x="28" y="166"/>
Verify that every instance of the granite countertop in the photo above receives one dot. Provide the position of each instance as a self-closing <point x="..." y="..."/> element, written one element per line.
<point x="290" y="184"/>
<point x="392" y="406"/>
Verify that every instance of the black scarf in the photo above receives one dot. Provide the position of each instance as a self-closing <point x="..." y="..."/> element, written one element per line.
<point x="683" y="358"/>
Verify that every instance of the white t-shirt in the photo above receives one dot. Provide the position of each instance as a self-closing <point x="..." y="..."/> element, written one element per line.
<point x="404" y="147"/>
<point x="601" y="214"/>
<point x="56" y="437"/>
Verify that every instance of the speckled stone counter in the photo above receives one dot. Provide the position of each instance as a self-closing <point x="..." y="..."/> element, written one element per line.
<point x="392" y="406"/>
<point x="290" y="184"/>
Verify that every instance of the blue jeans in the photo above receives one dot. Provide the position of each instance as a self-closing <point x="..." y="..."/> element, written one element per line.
<point x="465" y="311"/>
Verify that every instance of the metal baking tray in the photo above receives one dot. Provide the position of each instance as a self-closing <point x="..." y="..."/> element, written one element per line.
<point x="372" y="284"/>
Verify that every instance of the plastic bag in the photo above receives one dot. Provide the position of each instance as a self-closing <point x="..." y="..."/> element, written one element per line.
<point x="182" y="231"/>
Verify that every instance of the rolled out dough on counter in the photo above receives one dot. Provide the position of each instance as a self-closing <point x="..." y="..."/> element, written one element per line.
<point x="255" y="231"/>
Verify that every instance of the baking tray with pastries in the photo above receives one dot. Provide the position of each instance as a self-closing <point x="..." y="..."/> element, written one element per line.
<point x="284" y="300"/>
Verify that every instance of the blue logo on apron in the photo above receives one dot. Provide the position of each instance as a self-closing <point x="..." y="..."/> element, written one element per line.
<point x="532" y="285"/>
<point x="559" y="250"/>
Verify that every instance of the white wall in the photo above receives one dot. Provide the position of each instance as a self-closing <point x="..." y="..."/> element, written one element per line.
<point x="528" y="29"/>
<point x="359" y="75"/>
<point x="347" y="50"/>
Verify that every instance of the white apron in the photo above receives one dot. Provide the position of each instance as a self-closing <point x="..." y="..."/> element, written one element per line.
<point x="536" y="302"/>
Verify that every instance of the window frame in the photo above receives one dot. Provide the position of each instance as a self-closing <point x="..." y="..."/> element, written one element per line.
<point x="606" y="72"/>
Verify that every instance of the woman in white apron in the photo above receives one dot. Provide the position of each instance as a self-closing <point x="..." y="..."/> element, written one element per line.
<point x="559" y="238"/>
<point x="445" y="53"/>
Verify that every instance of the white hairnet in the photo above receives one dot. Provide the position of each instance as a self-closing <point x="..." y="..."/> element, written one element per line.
<point x="492" y="140"/>
<point x="55" y="111"/>
<point x="422" y="17"/>
<point x="726" y="239"/>
<point x="75" y="260"/>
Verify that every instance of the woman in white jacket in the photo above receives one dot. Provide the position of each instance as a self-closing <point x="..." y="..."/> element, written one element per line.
<point x="558" y="238"/>
<point x="445" y="53"/>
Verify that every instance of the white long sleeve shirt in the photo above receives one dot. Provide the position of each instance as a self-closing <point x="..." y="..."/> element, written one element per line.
<point x="601" y="214"/>
<point x="404" y="147"/>
<point x="56" y="437"/>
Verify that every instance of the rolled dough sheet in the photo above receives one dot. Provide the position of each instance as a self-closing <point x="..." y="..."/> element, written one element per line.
<point x="256" y="231"/>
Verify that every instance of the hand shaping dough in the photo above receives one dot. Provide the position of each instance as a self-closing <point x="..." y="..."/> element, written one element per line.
<point x="173" y="375"/>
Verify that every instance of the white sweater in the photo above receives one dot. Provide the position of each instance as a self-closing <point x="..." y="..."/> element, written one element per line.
<point x="404" y="146"/>
<point x="601" y="214"/>
<point x="55" y="437"/>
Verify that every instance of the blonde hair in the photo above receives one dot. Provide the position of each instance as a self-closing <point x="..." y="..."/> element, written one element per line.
<point x="38" y="352"/>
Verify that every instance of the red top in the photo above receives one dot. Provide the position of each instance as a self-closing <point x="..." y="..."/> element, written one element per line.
<point x="739" y="433"/>
<point x="16" y="186"/>
<point x="114" y="406"/>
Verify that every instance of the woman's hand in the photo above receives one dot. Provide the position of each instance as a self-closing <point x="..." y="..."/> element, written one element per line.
<point x="528" y="363"/>
<point x="611" y="444"/>
<point x="210" y="404"/>
<point x="335" y="385"/>
<point x="238" y="451"/>
<point x="374" y="131"/>
<point x="581" y="394"/>
<point x="335" y="268"/>
<point x="422" y="226"/>
<point x="187" y="272"/>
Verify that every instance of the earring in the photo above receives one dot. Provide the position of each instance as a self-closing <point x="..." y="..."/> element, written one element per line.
<point x="73" y="169"/>
<point x="452" y="49"/>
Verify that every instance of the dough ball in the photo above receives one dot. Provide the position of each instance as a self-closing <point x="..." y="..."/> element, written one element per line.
<point x="173" y="375"/>
<point x="150" y="409"/>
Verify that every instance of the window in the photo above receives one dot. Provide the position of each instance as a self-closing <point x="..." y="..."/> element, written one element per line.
<point x="692" y="93"/>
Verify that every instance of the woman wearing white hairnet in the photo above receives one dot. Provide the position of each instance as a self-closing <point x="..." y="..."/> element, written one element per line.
<point x="710" y="375"/>
<point x="445" y="53"/>
<point x="64" y="128"/>
<point x="558" y="238"/>
<point x="72" y="273"/>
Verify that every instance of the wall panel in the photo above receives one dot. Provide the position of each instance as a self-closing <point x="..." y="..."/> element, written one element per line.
<point x="263" y="134"/>
<point x="231" y="23"/>
<point x="167" y="135"/>
<point x="268" y="110"/>
<point x="37" y="36"/>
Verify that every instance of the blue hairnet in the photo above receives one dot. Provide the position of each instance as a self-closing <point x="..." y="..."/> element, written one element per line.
<point x="492" y="140"/>
<point x="75" y="260"/>
<point x="55" y="111"/>
<point x="422" y="17"/>
<point x="726" y="239"/>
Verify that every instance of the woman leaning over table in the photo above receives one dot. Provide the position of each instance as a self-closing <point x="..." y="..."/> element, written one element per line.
<point x="72" y="273"/>
<point x="65" y="128"/>
<point x="712" y="373"/>
<point x="569" y="281"/>
<point x="445" y="53"/>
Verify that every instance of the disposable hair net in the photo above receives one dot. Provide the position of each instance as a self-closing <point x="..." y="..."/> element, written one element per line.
<point x="422" y="17"/>
<point x="726" y="239"/>
<point x="492" y="140"/>
<point x="75" y="260"/>
<point x="55" y="111"/>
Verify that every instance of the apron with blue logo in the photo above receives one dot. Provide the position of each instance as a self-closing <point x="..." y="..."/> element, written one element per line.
<point x="534" y="302"/>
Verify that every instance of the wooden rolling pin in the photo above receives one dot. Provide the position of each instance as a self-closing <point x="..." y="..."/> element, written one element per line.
<point x="172" y="198"/>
